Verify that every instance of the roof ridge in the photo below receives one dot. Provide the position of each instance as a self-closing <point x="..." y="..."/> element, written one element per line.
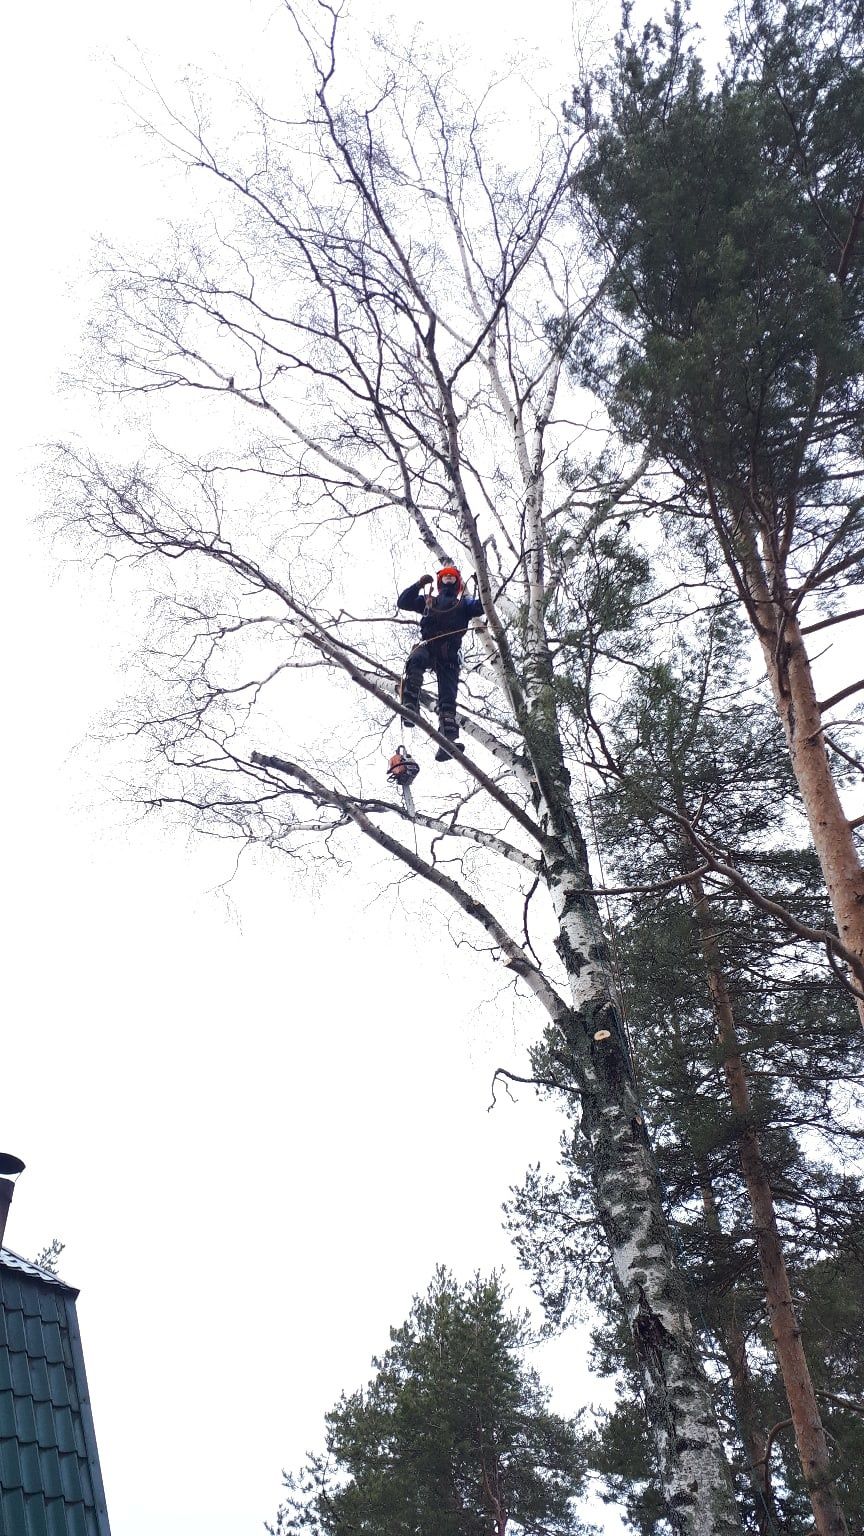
<point x="16" y="1262"/>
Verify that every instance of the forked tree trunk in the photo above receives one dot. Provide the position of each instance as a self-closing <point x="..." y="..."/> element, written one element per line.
<point x="803" y="1406"/>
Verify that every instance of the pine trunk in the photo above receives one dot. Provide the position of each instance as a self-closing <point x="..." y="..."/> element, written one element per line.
<point x="803" y="1406"/>
<point x="734" y="1346"/>
<point x="791" y="679"/>
<point x="733" y="1343"/>
<point x="789" y="673"/>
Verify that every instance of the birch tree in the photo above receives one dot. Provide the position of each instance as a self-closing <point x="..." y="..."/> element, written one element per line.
<point x="369" y="315"/>
<point x="731" y="348"/>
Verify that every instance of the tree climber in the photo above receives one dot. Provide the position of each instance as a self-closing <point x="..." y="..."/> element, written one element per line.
<point x="445" y="618"/>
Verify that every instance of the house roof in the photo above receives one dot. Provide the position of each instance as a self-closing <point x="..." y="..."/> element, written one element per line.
<point x="50" y="1482"/>
<point x="14" y="1261"/>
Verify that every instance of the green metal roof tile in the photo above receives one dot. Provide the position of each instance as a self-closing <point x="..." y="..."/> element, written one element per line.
<point x="55" y="1510"/>
<point x="49" y="1471"/>
<point x="39" y="1385"/>
<point x="52" y="1340"/>
<point x="50" y="1301"/>
<point x="37" y="1520"/>
<point x="46" y="1428"/>
<point x="92" y="1523"/>
<point x="5" y="1369"/>
<point x="15" y="1329"/>
<point x="20" y="1373"/>
<point x="67" y="1349"/>
<point x="59" y="1385"/>
<point x="8" y="1427"/>
<point x="14" y="1514"/>
<point x="64" y="1430"/>
<point x="76" y="1520"/>
<point x="80" y="1444"/>
<point x="33" y="1335"/>
<point x="25" y="1419"/>
<point x="10" y="1466"/>
<point x="70" y="1477"/>
<point x="10" y="1291"/>
<point x="86" y="1484"/>
<point x="31" y="1471"/>
<point x="30" y="1300"/>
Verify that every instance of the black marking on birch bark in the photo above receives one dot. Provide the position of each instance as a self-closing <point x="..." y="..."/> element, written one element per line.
<point x="600" y="953"/>
<point x="651" y="1337"/>
<point x="574" y="960"/>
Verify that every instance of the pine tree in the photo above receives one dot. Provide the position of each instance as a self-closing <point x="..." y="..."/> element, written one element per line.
<point x="731" y="343"/>
<point x="736" y="1042"/>
<point x="452" y="1436"/>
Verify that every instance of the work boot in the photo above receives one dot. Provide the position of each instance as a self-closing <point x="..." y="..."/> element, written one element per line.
<point x="448" y="726"/>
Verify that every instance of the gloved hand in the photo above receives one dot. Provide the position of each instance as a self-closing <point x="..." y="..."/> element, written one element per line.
<point x="426" y="581"/>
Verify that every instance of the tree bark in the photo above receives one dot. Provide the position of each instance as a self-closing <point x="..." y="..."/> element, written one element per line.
<point x="788" y="668"/>
<point x="803" y="1406"/>
<point x="691" y="1462"/>
<point x="734" y="1346"/>
<point x="763" y="587"/>
<point x="694" y="1473"/>
<point x="692" y="1465"/>
<point x="732" y="1339"/>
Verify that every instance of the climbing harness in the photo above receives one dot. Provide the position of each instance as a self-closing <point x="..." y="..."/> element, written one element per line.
<point x="402" y="770"/>
<point x="446" y="634"/>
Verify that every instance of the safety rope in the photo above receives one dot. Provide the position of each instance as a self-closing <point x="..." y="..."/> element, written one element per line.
<point x="432" y="640"/>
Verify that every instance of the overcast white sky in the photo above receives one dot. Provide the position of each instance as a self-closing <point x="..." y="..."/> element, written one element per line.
<point x="249" y="1118"/>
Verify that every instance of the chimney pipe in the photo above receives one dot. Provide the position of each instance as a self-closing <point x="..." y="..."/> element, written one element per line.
<point x="8" y="1165"/>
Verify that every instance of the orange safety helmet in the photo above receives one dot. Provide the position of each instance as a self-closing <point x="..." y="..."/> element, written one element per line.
<point x="450" y="570"/>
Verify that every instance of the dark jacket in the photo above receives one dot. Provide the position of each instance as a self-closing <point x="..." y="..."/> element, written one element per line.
<point x="440" y="621"/>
